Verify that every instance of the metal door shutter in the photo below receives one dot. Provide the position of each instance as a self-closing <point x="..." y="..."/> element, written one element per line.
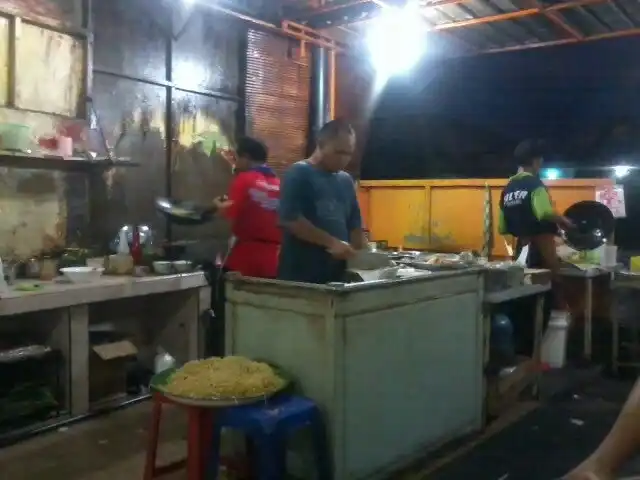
<point x="277" y="98"/>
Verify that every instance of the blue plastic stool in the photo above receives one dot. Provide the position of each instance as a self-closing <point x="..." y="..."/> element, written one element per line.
<point x="268" y="426"/>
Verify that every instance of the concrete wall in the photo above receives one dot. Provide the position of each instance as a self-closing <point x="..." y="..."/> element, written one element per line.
<point x="48" y="78"/>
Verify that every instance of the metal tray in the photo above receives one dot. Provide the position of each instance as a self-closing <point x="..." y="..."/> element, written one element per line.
<point x="446" y="267"/>
<point x="160" y="380"/>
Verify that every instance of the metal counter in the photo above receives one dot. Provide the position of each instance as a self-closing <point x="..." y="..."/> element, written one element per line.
<point x="397" y="366"/>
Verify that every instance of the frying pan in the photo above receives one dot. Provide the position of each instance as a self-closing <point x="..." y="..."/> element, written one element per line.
<point x="184" y="213"/>
<point x="594" y="224"/>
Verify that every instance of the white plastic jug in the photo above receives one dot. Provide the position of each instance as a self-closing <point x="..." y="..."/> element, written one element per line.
<point x="554" y="343"/>
<point x="163" y="361"/>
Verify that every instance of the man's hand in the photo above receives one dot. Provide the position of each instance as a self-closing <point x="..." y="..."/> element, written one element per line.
<point x="341" y="250"/>
<point x="220" y="202"/>
<point x="564" y="223"/>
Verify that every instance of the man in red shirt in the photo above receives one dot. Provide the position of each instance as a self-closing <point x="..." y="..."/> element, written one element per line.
<point x="251" y="208"/>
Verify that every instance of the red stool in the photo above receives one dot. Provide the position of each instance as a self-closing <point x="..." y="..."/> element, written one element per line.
<point x="198" y="441"/>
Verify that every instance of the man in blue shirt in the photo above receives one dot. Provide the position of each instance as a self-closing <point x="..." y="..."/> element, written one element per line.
<point x="319" y="212"/>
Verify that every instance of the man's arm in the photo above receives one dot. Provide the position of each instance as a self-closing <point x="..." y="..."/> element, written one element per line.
<point x="292" y="196"/>
<point x="238" y="194"/>
<point x="543" y="207"/>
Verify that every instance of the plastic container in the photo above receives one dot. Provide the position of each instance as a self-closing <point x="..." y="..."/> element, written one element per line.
<point x="82" y="274"/>
<point x="554" y="343"/>
<point x="163" y="361"/>
<point x="15" y="137"/>
<point x="502" y="351"/>
<point x="608" y="256"/>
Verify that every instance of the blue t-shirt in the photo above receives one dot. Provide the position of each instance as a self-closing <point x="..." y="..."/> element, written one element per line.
<point x="328" y="201"/>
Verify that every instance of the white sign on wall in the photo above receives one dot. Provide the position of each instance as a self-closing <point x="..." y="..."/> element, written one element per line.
<point x="613" y="197"/>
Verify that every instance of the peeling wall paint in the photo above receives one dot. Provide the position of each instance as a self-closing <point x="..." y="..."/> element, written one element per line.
<point x="32" y="203"/>
<point x="49" y="71"/>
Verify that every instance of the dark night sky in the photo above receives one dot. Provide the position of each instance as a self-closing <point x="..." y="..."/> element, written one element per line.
<point x="463" y="117"/>
<point x="483" y="105"/>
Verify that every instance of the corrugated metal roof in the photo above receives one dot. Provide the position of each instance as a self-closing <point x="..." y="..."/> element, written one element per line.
<point x="486" y="25"/>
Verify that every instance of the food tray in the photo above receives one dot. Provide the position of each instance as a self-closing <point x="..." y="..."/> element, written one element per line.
<point x="160" y="380"/>
<point x="442" y="267"/>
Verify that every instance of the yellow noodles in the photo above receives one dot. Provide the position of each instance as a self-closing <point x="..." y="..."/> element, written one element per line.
<point x="227" y="377"/>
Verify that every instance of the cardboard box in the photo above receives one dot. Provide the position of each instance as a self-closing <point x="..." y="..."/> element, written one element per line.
<point x="108" y="369"/>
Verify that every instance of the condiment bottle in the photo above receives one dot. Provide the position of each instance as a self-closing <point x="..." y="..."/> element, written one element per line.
<point x="123" y="243"/>
<point x="136" y="247"/>
<point x="4" y="288"/>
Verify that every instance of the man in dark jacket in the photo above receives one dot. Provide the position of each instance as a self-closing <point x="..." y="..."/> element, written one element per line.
<point x="527" y="213"/>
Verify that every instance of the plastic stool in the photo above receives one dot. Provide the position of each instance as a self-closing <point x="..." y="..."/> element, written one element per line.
<point x="268" y="425"/>
<point x="198" y="441"/>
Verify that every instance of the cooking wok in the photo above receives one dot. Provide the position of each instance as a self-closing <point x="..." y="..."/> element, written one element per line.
<point x="593" y="225"/>
<point x="184" y="213"/>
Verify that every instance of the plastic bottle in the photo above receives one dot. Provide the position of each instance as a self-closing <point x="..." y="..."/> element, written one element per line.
<point x="136" y="247"/>
<point x="4" y="288"/>
<point x="163" y="361"/>
<point x="123" y="243"/>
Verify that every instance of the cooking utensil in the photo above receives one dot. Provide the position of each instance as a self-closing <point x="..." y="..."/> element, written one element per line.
<point x="182" y="266"/>
<point x="593" y="225"/>
<point x="163" y="267"/>
<point x="32" y="268"/>
<point x="184" y="213"/>
<point x="82" y="274"/>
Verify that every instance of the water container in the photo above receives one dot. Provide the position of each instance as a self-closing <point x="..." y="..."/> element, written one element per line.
<point x="163" y="361"/>
<point x="554" y="343"/>
<point x="502" y="345"/>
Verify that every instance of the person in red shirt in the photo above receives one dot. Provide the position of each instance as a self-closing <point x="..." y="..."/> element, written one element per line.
<point x="251" y="208"/>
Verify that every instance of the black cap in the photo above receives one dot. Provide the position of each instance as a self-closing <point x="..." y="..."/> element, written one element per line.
<point x="529" y="150"/>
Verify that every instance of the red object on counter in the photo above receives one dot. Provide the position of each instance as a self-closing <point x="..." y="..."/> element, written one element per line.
<point x="136" y="247"/>
<point x="48" y="143"/>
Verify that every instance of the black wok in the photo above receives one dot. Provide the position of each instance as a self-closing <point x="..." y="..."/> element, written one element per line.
<point x="184" y="213"/>
<point x="593" y="225"/>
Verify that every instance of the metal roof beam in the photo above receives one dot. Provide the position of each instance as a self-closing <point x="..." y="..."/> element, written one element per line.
<point x="567" y="41"/>
<point x="517" y="14"/>
<point x="556" y="18"/>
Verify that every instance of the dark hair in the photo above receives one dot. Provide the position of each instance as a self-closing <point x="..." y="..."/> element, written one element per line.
<point x="528" y="151"/>
<point x="333" y="129"/>
<point x="253" y="149"/>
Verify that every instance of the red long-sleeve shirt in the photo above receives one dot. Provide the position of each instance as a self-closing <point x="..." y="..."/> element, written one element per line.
<point x="252" y="210"/>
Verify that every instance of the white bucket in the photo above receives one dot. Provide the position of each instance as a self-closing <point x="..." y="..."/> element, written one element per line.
<point x="554" y="343"/>
<point x="608" y="256"/>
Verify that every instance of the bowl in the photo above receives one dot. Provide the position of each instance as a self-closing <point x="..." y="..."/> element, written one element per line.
<point x="82" y="274"/>
<point x="182" y="266"/>
<point x="163" y="267"/>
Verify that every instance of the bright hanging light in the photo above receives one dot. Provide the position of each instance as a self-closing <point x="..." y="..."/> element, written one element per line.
<point x="396" y="40"/>
<point x="551" y="173"/>
<point x="621" y="171"/>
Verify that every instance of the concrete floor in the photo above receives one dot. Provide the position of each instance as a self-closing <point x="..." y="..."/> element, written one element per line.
<point x="113" y="447"/>
<point x="107" y="448"/>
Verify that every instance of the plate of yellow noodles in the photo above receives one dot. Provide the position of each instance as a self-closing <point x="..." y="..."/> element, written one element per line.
<point x="220" y="381"/>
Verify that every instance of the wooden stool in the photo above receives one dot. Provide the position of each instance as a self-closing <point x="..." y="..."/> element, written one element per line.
<point x="198" y="441"/>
